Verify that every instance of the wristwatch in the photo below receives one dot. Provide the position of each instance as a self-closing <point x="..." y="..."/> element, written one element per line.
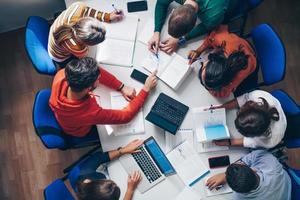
<point x="181" y="41"/>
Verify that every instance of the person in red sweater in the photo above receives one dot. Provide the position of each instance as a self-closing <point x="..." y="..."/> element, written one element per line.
<point x="74" y="105"/>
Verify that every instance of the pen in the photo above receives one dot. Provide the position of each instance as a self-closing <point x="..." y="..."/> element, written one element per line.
<point x="219" y="187"/>
<point x="117" y="11"/>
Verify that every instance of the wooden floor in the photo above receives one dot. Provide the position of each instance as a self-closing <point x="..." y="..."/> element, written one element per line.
<point x="27" y="167"/>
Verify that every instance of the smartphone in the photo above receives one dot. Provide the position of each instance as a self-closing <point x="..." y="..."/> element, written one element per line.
<point x="139" y="76"/>
<point x="136" y="6"/>
<point x="221" y="161"/>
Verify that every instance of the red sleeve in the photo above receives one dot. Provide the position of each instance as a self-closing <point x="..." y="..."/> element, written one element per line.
<point x="109" y="116"/>
<point x="109" y="80"/>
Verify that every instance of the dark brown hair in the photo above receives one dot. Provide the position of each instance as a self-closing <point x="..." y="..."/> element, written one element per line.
<point x="97" y="190"/>
<point x="182" y="21"/>
<point x="254" y="119"/>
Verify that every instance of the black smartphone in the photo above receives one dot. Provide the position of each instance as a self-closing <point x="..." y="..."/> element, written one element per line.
<point x="139" y="76"/>
<point x="221" y="161"/>
<point x="136" y="6"/>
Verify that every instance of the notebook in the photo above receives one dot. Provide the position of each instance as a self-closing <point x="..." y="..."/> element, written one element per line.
<point x="174" y="140"/>
<point x="187" y="194"/>
<point x="119" y="43"/>
<point x="209" y="147"/>
<point x="135" y="126"/>
<point x="210" y="124"/>
<point x="187" y="163"/>
<point x="223" y="190"/>
<point x="171" y="69"/>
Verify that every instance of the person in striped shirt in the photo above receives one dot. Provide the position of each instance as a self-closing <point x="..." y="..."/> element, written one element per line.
<point x="75" y="29"/>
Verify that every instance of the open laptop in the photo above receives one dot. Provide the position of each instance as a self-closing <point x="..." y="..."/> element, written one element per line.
<point x="151" y="162"/>
<point x="167" y="113"/>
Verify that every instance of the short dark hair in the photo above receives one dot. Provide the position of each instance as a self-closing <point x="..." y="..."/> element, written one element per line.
<point x="97" y="190"/>
<point x="220" y="71"/>
<point x="182" y="21"/>
<point x="254" y="119"/>
<point x="81" y="73"/>
<point x="241" y="178"/>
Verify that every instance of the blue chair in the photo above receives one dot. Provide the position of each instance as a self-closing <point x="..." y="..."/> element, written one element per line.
<point x="270" y="52"/>
<point x="295" y="178"/>
<point x="48" y="129"/>
<point x="57" y="190"/>
<point x="290" y="107"/>
<point x="241" y="13"/>
<point x="36" y="42"/>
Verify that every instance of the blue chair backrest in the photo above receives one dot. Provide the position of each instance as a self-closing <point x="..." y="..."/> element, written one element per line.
<point x="36" y="42"/>
<point x="45" y="122"/>
<point x="57" y="190"/>
<point x="288" y="105"/>
<point x="270" y="53"/>
<point x="295" y="178"/>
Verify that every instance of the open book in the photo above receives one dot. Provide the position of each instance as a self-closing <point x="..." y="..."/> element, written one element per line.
<point x="118" y="46"/>
<point x="136" y="126"/>
<point x="171" y="69"/>
<point x="187" y="163"/>
<point x="210" y="124"/>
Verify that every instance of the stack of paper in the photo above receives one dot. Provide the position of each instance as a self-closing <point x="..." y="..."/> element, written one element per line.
<point x="210" y="124"/>
<point x="136" y="126"/>
<point x="118" y="46"/>
<point x="223" y="190"/>
<point x="174" y="140"/>
<point x="187" y="163"/>
<point x="171" y="69"/>
<point x="209" y="147"/>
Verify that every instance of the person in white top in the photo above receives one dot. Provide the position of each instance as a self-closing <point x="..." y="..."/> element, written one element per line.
<point x="260" y="120"/>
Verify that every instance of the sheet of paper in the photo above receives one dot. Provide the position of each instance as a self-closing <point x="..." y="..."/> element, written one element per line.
<point x="176" y="71"/>
<point x="187" y="163"/>
<point x="187" y="194"/>
<point x="147" y="32"/>
<point x="125" y="29"/>
<point x="224" y="190"/>
<point x="209" y="147"/>
<point x="115" y="52"/>
<point x="173" y="140"/>
<point x="152" y="63"/>
<point x="136" y="126"/>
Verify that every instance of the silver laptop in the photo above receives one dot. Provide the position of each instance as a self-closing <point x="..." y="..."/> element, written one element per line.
<point x="151" y="162"/>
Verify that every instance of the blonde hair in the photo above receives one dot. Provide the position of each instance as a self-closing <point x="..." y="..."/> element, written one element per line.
<point x="88" y="30"/>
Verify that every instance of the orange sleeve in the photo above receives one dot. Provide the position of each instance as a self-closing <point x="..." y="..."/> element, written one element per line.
<point x="109" y="80"/>
<point x="79" y="51"/>
<point x="110" y="116"/>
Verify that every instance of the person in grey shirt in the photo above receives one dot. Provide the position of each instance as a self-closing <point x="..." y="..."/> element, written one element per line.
<point x="258" y="175"/>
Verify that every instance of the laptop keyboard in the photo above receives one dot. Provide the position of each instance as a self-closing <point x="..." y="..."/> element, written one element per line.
<point x="147" y="165"/>
<point x="169" y="112"/>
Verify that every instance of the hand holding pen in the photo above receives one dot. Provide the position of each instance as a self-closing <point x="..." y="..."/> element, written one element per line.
<point x="116" y="15"/>
<point x="193" y="56"/>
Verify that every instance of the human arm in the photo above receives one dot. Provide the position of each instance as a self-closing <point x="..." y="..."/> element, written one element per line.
<point x="216" y="180"/>
<point x="194" y="54"/>
<point x="160" y="14"/>
<point x="133" y="181"/>
<point x="230" y="142"/>
<point x="228" y="105"/>
<point x="116" y="15"/>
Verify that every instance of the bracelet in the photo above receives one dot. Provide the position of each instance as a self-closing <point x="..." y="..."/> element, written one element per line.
<point x="119" y="151"/>
<point x="121" y="87"/>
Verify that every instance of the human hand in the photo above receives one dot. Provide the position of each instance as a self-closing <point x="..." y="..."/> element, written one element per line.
<point x="116" y="15"/>
<point x="128" y="92"/>
<point x="192" y="56"/>
<point x="169" y="45"/>
<point x="153" y="43"/>
<point x="132" y="147"/>
<point x="224" y="142"/>
<point x="133" y="180"/>
<point x="216" y="180"/>
<point x="150" y="82"/>
<point x="212" y="107"/>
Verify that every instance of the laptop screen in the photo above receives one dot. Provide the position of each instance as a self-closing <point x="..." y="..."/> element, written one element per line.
<point x="159" y="157"/>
